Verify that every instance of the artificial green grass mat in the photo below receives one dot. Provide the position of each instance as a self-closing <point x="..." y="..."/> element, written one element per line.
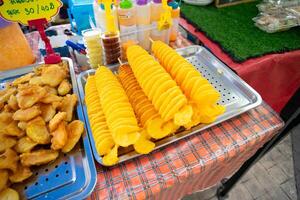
<point x="233" y="29"/>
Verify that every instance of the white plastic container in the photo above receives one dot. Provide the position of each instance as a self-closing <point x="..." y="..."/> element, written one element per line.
<point x="127" y="19"/>
<point x="175" y="20"/>
<point x="143" y="10"/>
<point x="156" y="11"/>
<point x="99" y="12"/>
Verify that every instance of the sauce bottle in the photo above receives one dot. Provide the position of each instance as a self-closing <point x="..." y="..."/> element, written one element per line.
<point x="156" y="11"/>
<point x="143" y="9"/>
<point x="127" y="19"/>
<point x="175" y="18"/>
<point x="14" y="48"/>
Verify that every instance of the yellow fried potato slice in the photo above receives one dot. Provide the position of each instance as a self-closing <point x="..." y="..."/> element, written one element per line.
<point x="75" y="130"/>
<point x="37" y="131"/>
<point x="157" y="128"/>
<point x="53" y="75"/>
<point x="50" y="90"/>
<point x="47" y="111"/>
<point x="9" y="194"/>
<point x="56" y="120"/>
<point x="12" y="129"/>
<point x="49" y="98"/>
<point x="64" y="87"/>
<point x="38" y="157"/>
<point x="27" y="114"/>
<point x="6" y="142"/>
<point x="25" y="144"/>
<point x="60" y="136"/>
<point x="68" y="104"/>
<point x="104" y="146"/>
<point x="37" y="80"/>
<point x="6" y="93"/>
<point x="29" y="95"/>
<point x="112" y="157"/>
<point x="143" y="145"/>
<point x="21" y="174"/>
<point x="22" y="79"/>
<point x="13" y="103"/>
<point x="9" y="160"/>
<point x="22" y="125"/>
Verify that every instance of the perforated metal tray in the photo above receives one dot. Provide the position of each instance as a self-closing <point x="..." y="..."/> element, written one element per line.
<point x="236" y="95"/>
<point x="72" y="175"/>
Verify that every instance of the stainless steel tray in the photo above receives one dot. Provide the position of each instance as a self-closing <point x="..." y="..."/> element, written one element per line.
<point x="236" y="95"/>
<point x="72" y="175"/>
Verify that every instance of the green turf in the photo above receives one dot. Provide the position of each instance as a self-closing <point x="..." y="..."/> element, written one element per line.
<point x="233" y="29"/>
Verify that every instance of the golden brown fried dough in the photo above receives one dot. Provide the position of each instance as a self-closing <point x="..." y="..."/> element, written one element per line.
<point x="53" y="75"/>
<point x="9" y="194"/>
<point x="21" y="174"/>
<point x="64" y="87"/>
<point x="3" y="178"/>
<point x="9" y="160"/>
<point x="37" y="80"/>
<point x="50" y="90"/>
<point x="67" y="105"/>
<point x="49" y="98"/>
<point x="27" y="114"/>
<point x="13" y="103"/>
<point x="22" y="125"/>
<point x="6" y="142"/>
<point x="48" y="111"/>
<point x="25" y="144"/>
<point x="22" y="79"/>
<point x="6" y="93"/>
<point x="12" y="129"/>
<point x="37" y="131"/>
<point x="5" y="119"/>
<point x="1" y="105"/>
<point x="60" y="136"/>
<point x="53" y="124"/>
<point x="38" y="157"/>
<point x="29" y="95"/>
<point x="75" y="130"/>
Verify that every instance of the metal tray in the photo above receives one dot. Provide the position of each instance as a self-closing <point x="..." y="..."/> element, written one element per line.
<point x="236" y="95"/>
<point x="72" y="175"/>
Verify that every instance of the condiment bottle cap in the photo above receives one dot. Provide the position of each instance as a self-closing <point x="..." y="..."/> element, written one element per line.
<point x="157" y="1"/>
<point x="173" y="4"/>
<point x="126" y="4"/>
<point x="141" y="2"/>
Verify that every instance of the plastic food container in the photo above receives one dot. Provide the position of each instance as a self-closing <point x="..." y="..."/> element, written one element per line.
<point x="275" y="22"/>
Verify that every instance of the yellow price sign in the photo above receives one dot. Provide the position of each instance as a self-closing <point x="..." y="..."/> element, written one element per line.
<point x="23" y="11"/>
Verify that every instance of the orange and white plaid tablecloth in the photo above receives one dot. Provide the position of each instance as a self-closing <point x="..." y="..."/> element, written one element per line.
<point x="191" y="164"/>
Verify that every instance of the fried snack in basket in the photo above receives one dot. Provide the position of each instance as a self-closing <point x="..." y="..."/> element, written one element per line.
<point x="9" y="160"/>
<point x="22" y="173"/>
<point x="37" y="131"/>
<point x="118" y="112"/>
<point x="64" y="87"/>
<point x="48" y="111"/>
<point x="27" y="114"/>
<point x="53" y="75"/>
<point x="29" y="95"/>
<point x="12" y="129"/>
<point x="6" y="142"/>
<point x="146" y="113"/>
<point x="25" y="144"/>
<point x="102" y="135"/>
<point x="197" y="89"/>
<point x="3" y="179"/>
<point x="75" y="130"/>
<point x="9" y="194"/>
<point x="68" y="105"/>
<point x="6" y="93"/>
<point x="38" y="157"/>
<point x="60" y="136"/>
<point x="159" y="87"/>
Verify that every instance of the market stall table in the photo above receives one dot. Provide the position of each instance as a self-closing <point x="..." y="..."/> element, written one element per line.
<point x="191" y="164"/>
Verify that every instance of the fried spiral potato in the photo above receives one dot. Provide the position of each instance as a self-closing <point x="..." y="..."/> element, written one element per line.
<point x="197" y="89"/>
<point x="103" y="138"/>
<point x="146" y="113"/>
<point x="118" y="112"/>
<point x="159" y="87"/>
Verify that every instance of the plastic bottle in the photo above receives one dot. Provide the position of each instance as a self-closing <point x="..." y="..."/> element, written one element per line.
<point x="175" y="17"/>
<point x="14" y="48"/>
<point x="156" y="11"/>
<point x="143" y="10"/>
<point x="127" y="19"/>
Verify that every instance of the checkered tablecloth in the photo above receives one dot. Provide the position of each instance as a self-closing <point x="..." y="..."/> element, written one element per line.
<point x="191" y="164"/>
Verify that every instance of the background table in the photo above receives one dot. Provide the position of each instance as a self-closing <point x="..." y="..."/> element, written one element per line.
<point x="191" y="164"/>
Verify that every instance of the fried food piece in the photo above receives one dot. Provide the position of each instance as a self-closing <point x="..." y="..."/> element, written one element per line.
<point x="60" y="136"/>
<point x="37" y="131"/>
<point x="64" y="88"/>
<point x="25" y="144"/>
<point x="9" y="160"/>
<point x="3" y="179"/>
<point x="13" y="103"/>
<point x="23" y="79"/>
<point x="49" y="98"/>
<point x="75" y="130"/>
<point x="1" y="105"/>
<point x="9" y="194"/>
<point x="12" y="129"/>
<point x="22" y="125"/>
<point x="38" y="157"/>
<point x="6" y="142"/>
<point x="7" y="108"/>
<point x="67" y="105"/>
<point x="5" y="94"/>
<point x="27" y="114"/>
<point x="48" y="111"/>
<point x="53" y="75"/>
<point x="29" y="95"/>
<point x="21" y="174"/>
<point x="55" y="121"/>
<point x="5" y="119"/>
<point x="37" y="80"/>
<point x="50" y="90"/>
